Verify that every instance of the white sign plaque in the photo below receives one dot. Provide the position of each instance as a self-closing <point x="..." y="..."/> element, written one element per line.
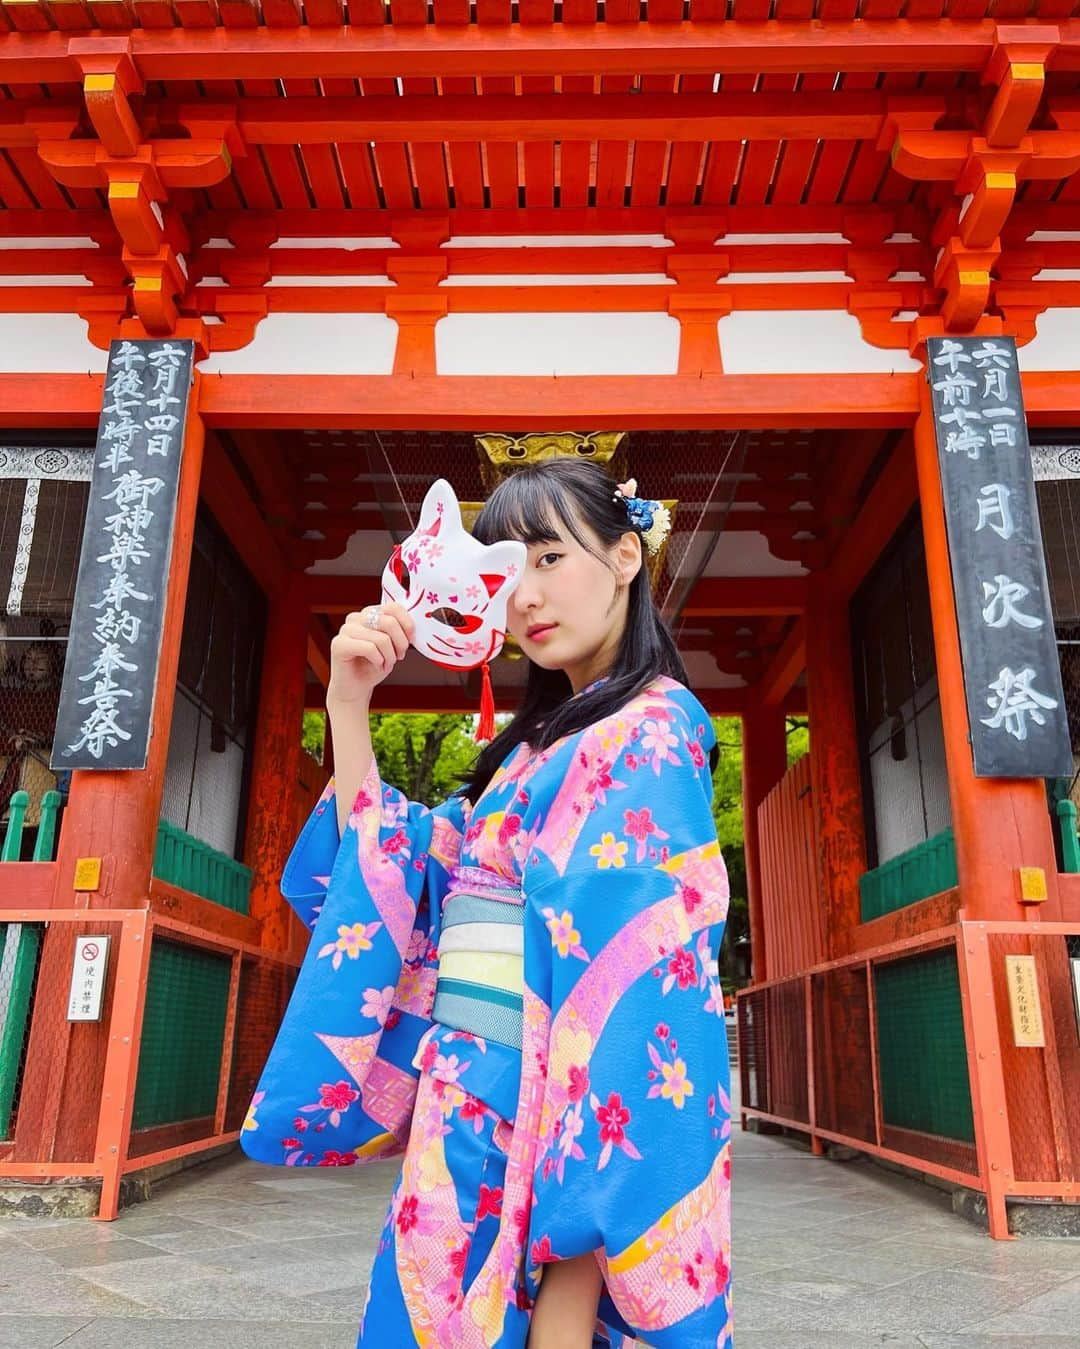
<point x="1075" y="963"/>
<point x="88" y="978"/>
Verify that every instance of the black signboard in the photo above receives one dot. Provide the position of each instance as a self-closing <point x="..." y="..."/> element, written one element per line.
<point x="108" y="692"/>
<point x="1016" y="708"/>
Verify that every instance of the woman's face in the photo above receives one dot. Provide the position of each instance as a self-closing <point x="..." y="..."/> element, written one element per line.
<point x="569" y="610"/>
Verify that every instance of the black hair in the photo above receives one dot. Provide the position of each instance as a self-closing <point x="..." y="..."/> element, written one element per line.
<point x="541" y="504"/>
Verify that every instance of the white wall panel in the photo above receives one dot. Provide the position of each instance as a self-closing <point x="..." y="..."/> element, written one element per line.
<point x="1056" y="344"/>
<point x="557" y="344"/>
<point x="56" y="343"/>
<point x="313" y="344"/>
<point x="803" y="342"/>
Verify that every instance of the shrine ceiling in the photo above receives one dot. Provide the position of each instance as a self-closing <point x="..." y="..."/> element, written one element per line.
<point x="756" y="513"/>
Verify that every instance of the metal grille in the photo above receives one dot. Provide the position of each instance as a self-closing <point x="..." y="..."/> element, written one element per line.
<point x="39" y="1102"/>
<point x="187" y="996"/>
<point x="897" y="705"/>
<point x="889" y="1063"/>
<point x="265" y="989"/>
<point x="1059" y="514"/>
<point x="843" y="1076"/>
<point x="1042" y="1084"/>
<point x="155" y="1077"/>
<point x="753" y="1058"/>
<point x="43" y="496"/>
<point x="922" y="1058"/>
<point x="213" y="715"/>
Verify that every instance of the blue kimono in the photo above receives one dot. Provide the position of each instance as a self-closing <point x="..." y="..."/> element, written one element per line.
<point x="523" y="998"/>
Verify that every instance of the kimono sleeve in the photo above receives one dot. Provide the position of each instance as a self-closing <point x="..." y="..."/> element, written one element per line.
<point x="626" y="898"/>
<point x="339" y="1084"/>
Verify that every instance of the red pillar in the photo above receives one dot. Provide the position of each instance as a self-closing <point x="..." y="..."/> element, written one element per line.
<point x="1000" y="824"/>
<point x="271" y="828"/>
<point x="764" y="746"/>
<point x="113" y="816"/>
<point x="834" y="760"/>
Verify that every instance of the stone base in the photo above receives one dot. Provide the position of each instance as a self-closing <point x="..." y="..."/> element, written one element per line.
<point x="754" y="1125"/>
<point x="1027" y="1217"/>
<point x="79" y="1196"/>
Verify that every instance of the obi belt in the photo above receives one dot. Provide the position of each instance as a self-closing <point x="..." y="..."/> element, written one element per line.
<point x="481" y="960"/>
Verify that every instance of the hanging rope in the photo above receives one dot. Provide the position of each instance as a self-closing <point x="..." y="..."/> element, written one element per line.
<point x="672" y="611"/>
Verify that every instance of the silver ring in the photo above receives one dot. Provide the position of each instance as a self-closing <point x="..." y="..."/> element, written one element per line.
<point x="373" y="618"/>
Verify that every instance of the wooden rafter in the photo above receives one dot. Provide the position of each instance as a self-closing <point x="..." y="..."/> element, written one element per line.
<point x="420" y="118"/>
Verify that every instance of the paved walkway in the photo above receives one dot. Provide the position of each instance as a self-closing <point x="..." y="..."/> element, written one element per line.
<point x="828" y="1255"/>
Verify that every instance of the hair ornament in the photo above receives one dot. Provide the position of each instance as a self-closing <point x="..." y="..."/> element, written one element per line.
<point x="651" y="519"/>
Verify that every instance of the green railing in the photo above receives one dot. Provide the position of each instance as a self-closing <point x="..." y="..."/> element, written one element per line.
<point x="179" y="858"/>
<point x="1070" y="844"/>
<point x="45" y="842"/>
<point x="19" y="947"/>
<point x="924" y="870"/>
<point x="182" y="860"/>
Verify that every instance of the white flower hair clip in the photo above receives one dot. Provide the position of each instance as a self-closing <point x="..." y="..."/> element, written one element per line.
<point x="651" y="519"/>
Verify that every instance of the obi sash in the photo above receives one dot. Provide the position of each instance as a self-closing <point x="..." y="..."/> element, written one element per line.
<point x="481" y="957"/>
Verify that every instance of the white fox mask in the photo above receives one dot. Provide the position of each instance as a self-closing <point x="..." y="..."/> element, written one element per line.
<point x="455" y="587"/>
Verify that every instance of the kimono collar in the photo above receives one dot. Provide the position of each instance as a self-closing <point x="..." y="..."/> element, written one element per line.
<point x="590" y="687"/>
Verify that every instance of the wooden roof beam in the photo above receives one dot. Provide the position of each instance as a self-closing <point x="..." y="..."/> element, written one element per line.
<point x="229" y="501"/>
<point x="439" y="118"/>
<point x="664" y="402"/>
<point x="318" y="650"/>
<point x="695" y="47"/>
<point x="841" y="219"/>
<point x="660" y="402"/>
<point x="784" y="668"/>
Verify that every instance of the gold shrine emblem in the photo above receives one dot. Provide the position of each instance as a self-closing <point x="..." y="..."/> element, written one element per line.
<point x="501" y="454"/>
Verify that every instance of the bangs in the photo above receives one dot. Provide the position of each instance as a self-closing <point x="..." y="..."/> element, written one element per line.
<point x="530" y="508"/>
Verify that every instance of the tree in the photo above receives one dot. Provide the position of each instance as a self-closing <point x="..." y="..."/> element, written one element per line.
<point x="313" y="737"/>
<point x="423" y="754"/>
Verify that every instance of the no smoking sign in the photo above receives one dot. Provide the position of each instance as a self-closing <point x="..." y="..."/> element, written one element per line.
<point x="88" y="978"/>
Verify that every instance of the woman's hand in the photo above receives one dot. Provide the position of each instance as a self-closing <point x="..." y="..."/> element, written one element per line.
<point x="361" y="656"/>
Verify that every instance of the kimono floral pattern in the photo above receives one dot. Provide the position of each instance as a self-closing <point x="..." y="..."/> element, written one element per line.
<point x="610" y="1131"/>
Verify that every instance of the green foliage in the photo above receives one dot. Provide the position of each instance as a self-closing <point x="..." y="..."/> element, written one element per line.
<point x="313" y="736"/>
<point x="425" y="755"/>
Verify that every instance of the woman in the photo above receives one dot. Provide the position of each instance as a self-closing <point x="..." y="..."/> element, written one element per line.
<point x="563" y="1106"/>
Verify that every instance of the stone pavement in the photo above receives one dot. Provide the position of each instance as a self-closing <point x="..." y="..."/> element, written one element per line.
<point x="828" y="1255"/>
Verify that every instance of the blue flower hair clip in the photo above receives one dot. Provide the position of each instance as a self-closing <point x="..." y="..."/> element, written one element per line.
<point x="651" y="519"/>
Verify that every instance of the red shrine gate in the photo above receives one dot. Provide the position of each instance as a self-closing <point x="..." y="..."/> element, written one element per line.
<point x="393" y="228"/>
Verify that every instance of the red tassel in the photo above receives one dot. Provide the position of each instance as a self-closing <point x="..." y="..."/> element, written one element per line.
<point x="485" y="729"/>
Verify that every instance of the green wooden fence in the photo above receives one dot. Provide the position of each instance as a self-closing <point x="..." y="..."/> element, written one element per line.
<point x="20" y="945"/>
